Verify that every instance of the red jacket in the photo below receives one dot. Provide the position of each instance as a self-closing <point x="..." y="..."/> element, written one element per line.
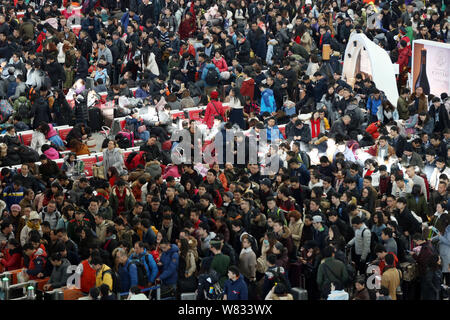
<point x="87" y="277"/>
<point x="373" y="128"/>
<point x="382" y="263"/>
<point x="138" y="159"/>
<point x="403" y="58"/>
<point x="37" y="262"/>
<point x="12" y="259"/>
<point x="187" y="28"/>
<point x="221" y="64"/>
<point x="248" y="88"/>
<point x="190" y="50"/>
<point x="211" y="112"/>
<point x="40" y="40"/>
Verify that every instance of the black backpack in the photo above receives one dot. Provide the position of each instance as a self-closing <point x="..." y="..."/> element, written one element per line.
<point x="229" y="251"/>
<point x="212" y="77"/>
<point x="141" y="271"/>
<point x="28" y="154"/>
<point x="115" y="280"/>
<point x="123" y="142"/>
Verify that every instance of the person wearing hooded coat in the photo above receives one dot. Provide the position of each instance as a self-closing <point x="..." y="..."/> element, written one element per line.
<point x="63" y="112"/>
<point x="40" y="111"/>
<point x="81" y="109"/>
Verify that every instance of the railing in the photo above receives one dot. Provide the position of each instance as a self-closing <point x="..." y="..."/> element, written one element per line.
<point x="29" y="289"/>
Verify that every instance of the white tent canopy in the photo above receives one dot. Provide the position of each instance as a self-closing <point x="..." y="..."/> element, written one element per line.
<point x="373" y="60"/>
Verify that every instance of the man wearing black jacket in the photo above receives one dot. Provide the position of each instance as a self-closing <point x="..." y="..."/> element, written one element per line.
<point x="398" y="141"/>
<point x="55" y="71"/>
<point x="243" y="49"/>
<point x="85" y="44"/>
<point x="406" y="221"/>
<point x="146" y="10"/>
<point x="152" y="148"/>
<point x="81" y="66"/>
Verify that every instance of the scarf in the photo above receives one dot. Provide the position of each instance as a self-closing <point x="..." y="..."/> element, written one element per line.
<point x="33" y="226"/>
<point x="121" y="200"/>
<point x="315" y="128"/>
<point x="246" y="250"/>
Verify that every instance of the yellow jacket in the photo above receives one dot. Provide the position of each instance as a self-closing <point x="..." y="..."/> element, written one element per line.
<point x="106" y="279"/>
<point x="326" y="123"/>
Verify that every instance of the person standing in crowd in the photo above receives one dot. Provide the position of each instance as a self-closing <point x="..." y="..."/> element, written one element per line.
<point x="350" y="163"/>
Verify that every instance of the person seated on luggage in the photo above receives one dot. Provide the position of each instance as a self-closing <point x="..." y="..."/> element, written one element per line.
<point x="279" y="292"/>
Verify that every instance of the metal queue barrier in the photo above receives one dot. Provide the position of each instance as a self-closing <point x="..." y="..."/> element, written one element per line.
<point x="28" y="288"/>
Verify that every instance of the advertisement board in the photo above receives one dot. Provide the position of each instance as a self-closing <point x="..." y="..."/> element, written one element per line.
<point x="431" y="67"/>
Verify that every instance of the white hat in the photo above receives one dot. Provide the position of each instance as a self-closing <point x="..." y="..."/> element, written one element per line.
<point x="317" y="219"/>
<point x="34" y="216"/>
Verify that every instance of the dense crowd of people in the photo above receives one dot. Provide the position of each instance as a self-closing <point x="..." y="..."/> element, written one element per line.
<point x="356" y="210"/>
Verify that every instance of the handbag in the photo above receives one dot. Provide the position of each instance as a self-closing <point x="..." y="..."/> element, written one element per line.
<point x="221" y="118"/>
<point x="98" y="172"/>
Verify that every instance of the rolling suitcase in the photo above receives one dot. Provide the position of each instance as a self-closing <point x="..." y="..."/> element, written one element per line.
<point x="189" y="296"/>
<point x="299" y="294"/>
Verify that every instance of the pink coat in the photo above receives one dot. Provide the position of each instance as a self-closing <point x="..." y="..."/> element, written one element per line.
<point x="221" y="64"/>
<point x="52" y="132"/>
<point x="52" y="154"/>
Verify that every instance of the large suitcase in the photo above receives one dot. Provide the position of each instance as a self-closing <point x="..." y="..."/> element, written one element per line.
<point x="189" y="296"/>
<point x="299" y="293"/>
<point x="95" y="119"/>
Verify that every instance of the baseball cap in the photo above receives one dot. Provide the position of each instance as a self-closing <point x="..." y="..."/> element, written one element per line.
<point x="317" y="219"/>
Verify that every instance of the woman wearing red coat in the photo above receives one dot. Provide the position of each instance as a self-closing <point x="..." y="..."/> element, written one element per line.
<point x="12" y="256"/>
<point x="404" y="53"/>
<point x="214" y="108"/>
<point x="187" y="26"/>
<point x="248" y="86"/>
<point x="220" y="62"/>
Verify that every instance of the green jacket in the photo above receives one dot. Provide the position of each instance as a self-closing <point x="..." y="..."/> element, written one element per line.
<point x="26" y="118"/>
<point x="402" y="108"/>
<point x="220" y="264"/>
<point x="300" y="50"/>
<point x="331" y="270"/>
